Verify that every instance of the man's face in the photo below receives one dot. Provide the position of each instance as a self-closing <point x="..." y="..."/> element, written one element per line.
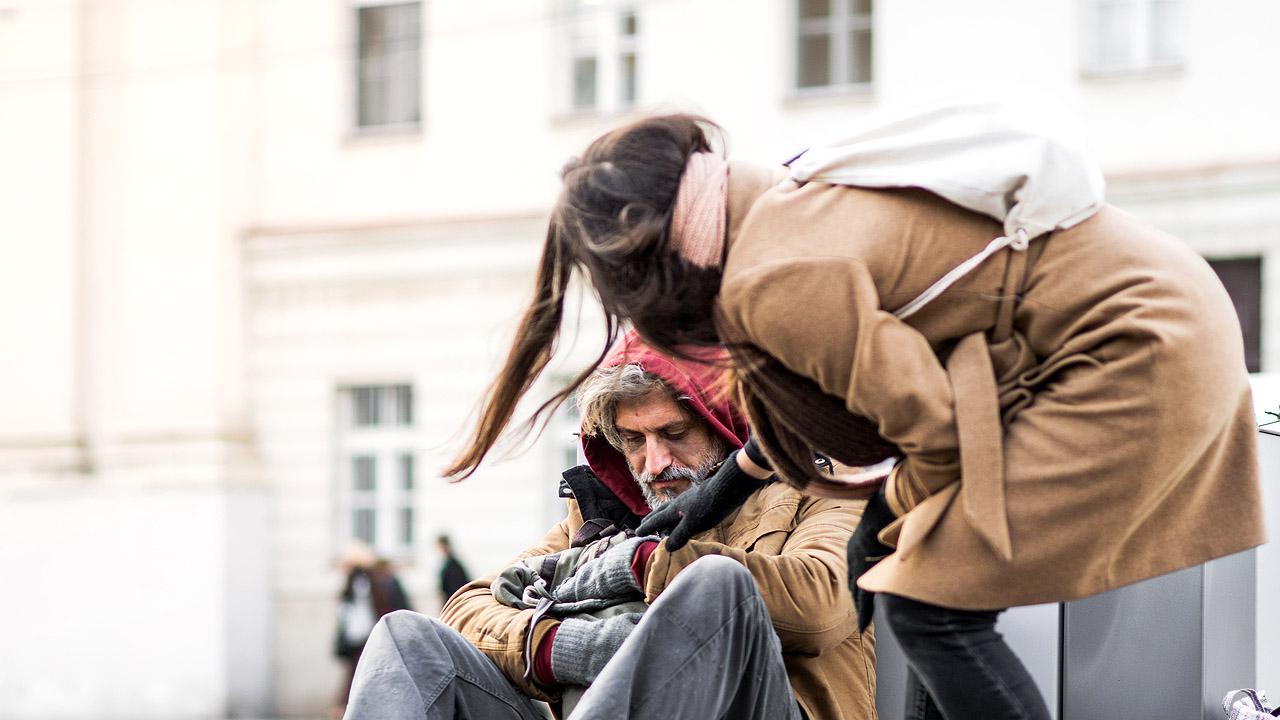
<point x="667" y="450"/>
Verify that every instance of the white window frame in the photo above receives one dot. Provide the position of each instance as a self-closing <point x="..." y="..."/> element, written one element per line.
<point x="407" y="127"/>
<point x="627" y="45"/>
<point x="593" y="29"/>
<point x="837" y="26"/>
<point x="386" y="442"/>
<point x="1141" y="33"/>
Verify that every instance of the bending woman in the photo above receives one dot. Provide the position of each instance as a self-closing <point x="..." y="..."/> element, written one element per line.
<point x="1070" y="417"/>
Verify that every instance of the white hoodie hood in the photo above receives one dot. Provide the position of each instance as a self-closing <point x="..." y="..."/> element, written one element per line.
<point x="1019" y="162"/>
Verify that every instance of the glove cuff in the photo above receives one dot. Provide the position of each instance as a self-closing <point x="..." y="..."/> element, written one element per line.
<point x="640" y="559"/>
<point x="583" y="647"/>
<point x="753" y="451"/>
<point x="571" y="651"/>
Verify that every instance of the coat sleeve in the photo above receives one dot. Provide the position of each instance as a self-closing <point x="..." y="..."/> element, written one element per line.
<point x="804" y="585"/>
<point x="499" y="631"/>
<point x="821" y="318"/>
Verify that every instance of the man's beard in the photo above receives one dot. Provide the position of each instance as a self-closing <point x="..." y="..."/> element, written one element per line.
<point x="656" y="498"/>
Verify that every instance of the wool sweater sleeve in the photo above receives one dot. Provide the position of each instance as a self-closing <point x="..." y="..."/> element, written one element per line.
<point x="821" y="318"/>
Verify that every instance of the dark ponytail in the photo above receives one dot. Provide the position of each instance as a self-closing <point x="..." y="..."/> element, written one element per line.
<point x="617" y="206"/>
<point x="612" y="221"/>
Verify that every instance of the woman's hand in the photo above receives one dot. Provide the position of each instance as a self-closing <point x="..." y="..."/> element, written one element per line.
<point x="705" y="505"/>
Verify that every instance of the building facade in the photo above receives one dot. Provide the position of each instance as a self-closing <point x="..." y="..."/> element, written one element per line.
<point x="266" y="254"/>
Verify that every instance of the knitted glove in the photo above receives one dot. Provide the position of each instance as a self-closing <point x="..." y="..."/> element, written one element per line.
<point x="704" y="506"/>
<point x="606" y="577"/>
<point x="584" y="645"/>
<point x="865" y="550"/>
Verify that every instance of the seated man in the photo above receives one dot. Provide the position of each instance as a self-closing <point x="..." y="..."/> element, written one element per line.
<point x="752" y="619"/>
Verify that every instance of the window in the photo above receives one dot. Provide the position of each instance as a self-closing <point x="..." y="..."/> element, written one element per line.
<point x="603" y="69"/>
<point x="833" y="43"/>
<point x="1243" y="279"/>
<point x="1131" y="35"/>
<point x="388" y="65"/>
<point x="627" y="63"/>
<point x="376" y="468"/>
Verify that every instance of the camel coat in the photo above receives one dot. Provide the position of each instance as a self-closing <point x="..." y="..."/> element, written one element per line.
<point x="1073" y="417"/>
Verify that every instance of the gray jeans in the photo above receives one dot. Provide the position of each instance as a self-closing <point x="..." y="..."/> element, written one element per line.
<point x="705" y="649"/>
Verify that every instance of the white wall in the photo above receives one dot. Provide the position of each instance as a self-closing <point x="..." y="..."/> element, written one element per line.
<point x="432" y="305"/>
<point x="38" y="196"/>
<point x="123" y="603"/>
<point x="131" y="516"/>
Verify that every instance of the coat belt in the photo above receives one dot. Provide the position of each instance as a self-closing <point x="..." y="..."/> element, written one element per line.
<point x="980" y="432"/>
<point x="979" y="425"/>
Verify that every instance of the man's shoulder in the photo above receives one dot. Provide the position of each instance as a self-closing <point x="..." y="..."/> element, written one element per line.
<point x="774" y="494"/>
<point x="772" y="508"/>
<point x="778" y="495"/>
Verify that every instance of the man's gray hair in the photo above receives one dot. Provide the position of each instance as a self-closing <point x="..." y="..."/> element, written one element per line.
<point x="599" y="395"/>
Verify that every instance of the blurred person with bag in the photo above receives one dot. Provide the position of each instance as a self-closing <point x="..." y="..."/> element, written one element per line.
<point x="370" y="590"/>
<point x="750" y="619"/>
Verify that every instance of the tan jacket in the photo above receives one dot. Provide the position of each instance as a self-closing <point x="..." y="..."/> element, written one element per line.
<point x="1073" y="418"/>
<point x="794" y="547"/>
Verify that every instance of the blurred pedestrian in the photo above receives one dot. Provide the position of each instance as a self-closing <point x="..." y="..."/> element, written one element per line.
<point x="452" y="574"/>
<point x="369" y="591"/>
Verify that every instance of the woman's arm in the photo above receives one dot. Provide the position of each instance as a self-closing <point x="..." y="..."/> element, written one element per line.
<point x="821" y="318"/>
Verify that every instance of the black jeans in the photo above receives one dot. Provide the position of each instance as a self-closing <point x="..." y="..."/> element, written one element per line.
<point x="961" y="668"/>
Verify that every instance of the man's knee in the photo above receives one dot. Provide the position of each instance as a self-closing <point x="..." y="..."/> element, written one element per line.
<point x="409" y="634"/>
<point x="719" y="574"/>
<point x="424" y="646"/>
<point x="408" y="624"/>
<point x="709" y="587"/>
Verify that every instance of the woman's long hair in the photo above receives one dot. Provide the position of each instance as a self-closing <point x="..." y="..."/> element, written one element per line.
<point x="612" y="220"/>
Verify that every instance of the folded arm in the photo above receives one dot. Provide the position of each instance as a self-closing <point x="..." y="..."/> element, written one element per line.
<point x="500" y="632"/>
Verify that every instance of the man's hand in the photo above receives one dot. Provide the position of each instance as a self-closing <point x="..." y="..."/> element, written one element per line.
<point x="584" y="645"/>
<point x="606" y="577"/>
<point x="865" y="550"/>
<point x="704" y="506"/>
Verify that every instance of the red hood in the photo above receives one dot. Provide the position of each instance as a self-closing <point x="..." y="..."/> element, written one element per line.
<point x="691" y="379"/>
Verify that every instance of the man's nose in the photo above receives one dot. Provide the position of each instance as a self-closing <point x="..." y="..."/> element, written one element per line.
<point x="657" y="456"/>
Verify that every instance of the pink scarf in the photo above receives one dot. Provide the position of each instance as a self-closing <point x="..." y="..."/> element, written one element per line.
<point x="697" y="222"/>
